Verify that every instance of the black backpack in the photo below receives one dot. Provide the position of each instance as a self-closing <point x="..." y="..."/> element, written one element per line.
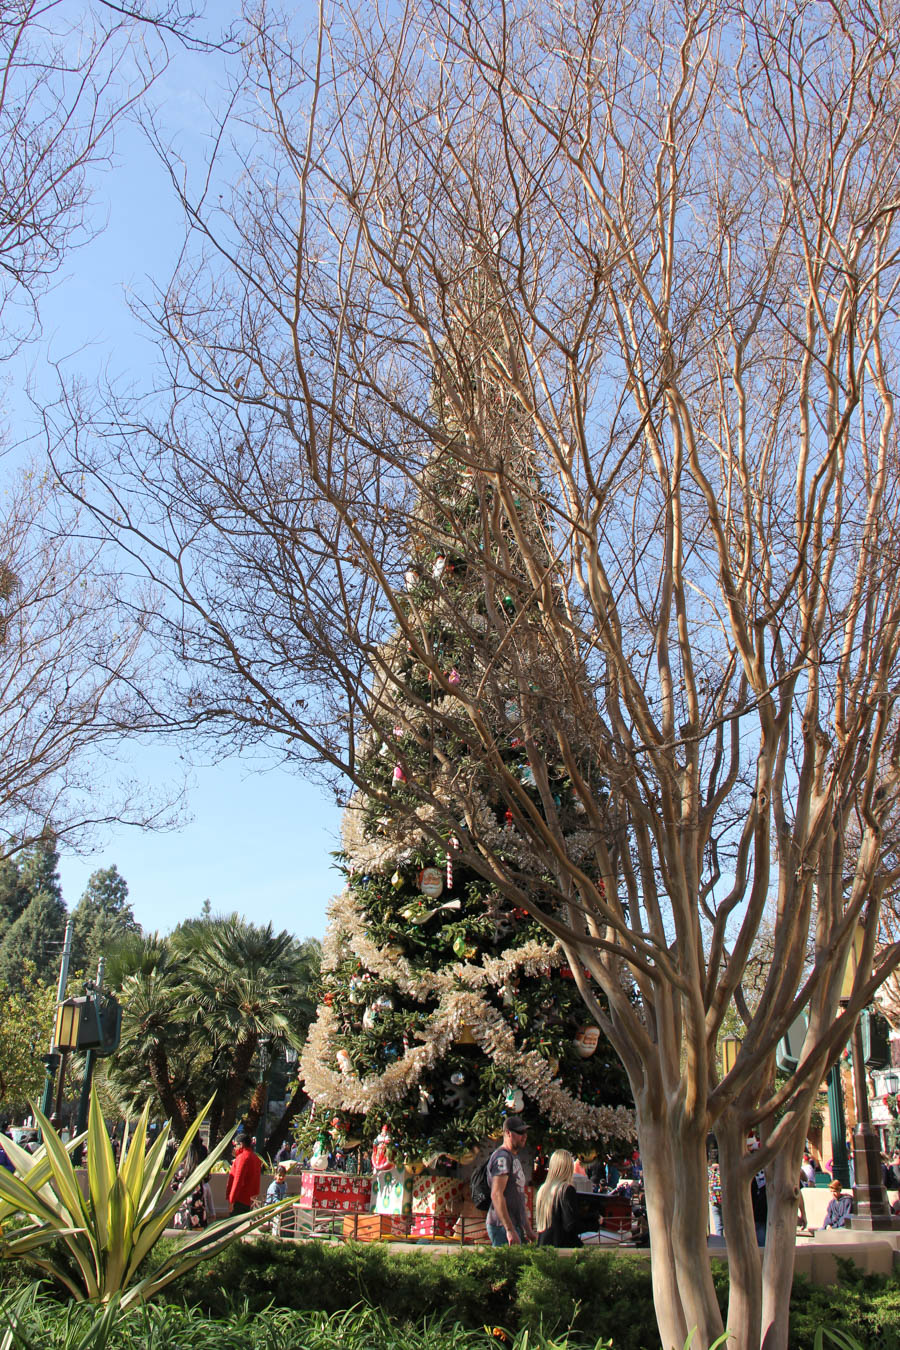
<point x="480" y="1186"/>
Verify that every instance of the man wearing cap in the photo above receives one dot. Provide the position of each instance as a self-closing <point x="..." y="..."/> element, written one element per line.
<point x="243" y="1178"/>
<point x="507" y="1218"/>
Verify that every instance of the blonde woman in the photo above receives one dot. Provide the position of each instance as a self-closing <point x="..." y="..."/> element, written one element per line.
<point x="555" y="1217"/>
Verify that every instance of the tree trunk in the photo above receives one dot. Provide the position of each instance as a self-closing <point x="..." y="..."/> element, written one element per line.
<point x="233" y="1087"/>
<point x="781" y="1241"/>
<point x="690" y="1228"/>
<point x="744" y="1266"/>
<point x="255" y="1109"/>
<point x="297" y="1103"/>
<point x="158" y="1065"/>
<point x="683" y="1292"/>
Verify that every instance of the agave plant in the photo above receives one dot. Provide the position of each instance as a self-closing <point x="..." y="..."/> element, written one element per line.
<point x="108" y="1233"/>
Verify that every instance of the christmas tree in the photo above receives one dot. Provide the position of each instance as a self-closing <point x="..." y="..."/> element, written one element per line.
<point x="444" y="1003"/>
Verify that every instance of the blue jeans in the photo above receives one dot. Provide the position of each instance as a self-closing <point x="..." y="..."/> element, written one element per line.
<point x="497" y="1234"/>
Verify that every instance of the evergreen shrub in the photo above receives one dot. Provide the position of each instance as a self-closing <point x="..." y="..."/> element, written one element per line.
<point x="598" y="1295"/>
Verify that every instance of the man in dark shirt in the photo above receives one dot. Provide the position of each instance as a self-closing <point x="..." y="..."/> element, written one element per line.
<point x="507" y="1218"/>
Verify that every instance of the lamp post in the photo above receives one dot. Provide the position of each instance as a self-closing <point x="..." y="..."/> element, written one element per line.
<point x="264" y="1083"/>
<point x="872" y="1211"/>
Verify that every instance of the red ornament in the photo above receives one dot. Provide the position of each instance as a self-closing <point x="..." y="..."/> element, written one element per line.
<point x="508" y="817"/>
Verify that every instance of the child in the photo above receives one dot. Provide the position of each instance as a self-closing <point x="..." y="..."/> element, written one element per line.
<point x="277" y="1191"/>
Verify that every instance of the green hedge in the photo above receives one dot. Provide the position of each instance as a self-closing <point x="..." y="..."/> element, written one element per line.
<point x="599" y="1295"/>
<point x="596" y="1294"/>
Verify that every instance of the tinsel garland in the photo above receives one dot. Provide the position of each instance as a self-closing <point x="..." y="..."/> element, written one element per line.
<point x="383" y="853"/>
<point x="330" y="1088"/>
<point x="457" y="1008"/>
<point x="346" y="929"/>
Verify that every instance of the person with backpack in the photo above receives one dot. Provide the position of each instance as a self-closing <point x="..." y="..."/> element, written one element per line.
<point x="507" y="1218"/>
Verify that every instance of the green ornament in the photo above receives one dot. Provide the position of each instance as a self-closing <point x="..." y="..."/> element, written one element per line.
<point x="459" y="946"/>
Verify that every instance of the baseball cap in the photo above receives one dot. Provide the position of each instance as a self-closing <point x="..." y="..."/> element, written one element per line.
<point x="515" y="1125"/>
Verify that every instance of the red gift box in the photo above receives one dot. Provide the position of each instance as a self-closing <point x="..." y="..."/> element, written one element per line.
<point x="438" y="1195"/>
<point x="433" y="1225"/>
<point x="335" y="1190"/>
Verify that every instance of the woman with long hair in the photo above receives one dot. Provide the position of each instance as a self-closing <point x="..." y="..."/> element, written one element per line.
<point x="555" y="1216"/>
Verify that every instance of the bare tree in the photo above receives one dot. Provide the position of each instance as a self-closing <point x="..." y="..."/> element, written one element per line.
<point x="68" y="75"/>
<point x="71" y="658"/>
<point x="655" y="250"/>
<point x="69" y="653"/>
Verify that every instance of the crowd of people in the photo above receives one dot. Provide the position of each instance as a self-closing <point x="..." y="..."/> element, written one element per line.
<point x="840" y="1204"/>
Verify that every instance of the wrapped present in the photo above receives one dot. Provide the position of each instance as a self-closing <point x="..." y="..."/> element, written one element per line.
<point x="392" y="1191"/>
<point x="433" y="1225"/>
<point x="470" y="1226"/>
<point x="375" y="1227"/>
<point x="437" y="1195"/>
<point x="335" y="1190"/>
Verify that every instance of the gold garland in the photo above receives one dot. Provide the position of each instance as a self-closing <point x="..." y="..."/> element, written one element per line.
<point x="457" y="1008"/>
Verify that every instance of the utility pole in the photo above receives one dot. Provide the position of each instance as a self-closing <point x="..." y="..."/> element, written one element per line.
<point x="51" y="1059"/>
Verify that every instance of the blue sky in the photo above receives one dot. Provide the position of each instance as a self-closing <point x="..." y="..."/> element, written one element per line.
<point x="257" y="843"/>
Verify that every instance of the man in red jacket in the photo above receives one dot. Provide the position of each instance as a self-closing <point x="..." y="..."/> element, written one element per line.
<point x="243" y="1179"/>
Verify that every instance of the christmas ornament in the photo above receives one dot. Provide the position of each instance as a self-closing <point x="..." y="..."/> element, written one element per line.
<point x="509" y="604"/>
<point x="328" y="998"/>
<point x="396" y="881"/>
<point x="586" y="1041"/>
<point x="459" y="946"/>
<point x="318" y="1161"/>
<point x="431" y="883"/>
<point x="368" y="1022"/>
<point x="440" y="567"/>
<point x="506" y="997"/>
<point x="425" y="1102"/>
<point x="511" y="710"/>
<point x="357" y="988"/>
<point x="399" y="775"/>
<point x="526" y="776"/>
<point x="453" y="678"/>
<point x="508" y="821"/>
<point x="381" y="1151"/>
<point x="452" y="843"/>
<point x="383" y="1004"/>
<point x="514" y="1101"/>
<point x="344" y="1062"/>
<point x="412" y="578"/>
<point x="465" y="1036"/>
<point x="457" y="1079"/>
<point x="418" y="914"/>
<point x="578" y="805"/>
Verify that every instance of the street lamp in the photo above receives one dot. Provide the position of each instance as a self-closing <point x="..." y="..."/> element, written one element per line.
<point x="730" y="1049"/>
<point x="65" y="1040"/>
<point x="872" y="1211"/>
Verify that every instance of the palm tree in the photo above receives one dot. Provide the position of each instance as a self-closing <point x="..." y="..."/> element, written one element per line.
<point x="241" y="982"/>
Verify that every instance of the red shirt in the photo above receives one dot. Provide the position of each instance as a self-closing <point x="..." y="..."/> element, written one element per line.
<point x="243" y="1178"/>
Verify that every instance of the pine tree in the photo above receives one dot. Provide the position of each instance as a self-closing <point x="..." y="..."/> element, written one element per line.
<point x="35" y="937"/>
<point x="103" y="917"/>
<point x="443" y="1004"/>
